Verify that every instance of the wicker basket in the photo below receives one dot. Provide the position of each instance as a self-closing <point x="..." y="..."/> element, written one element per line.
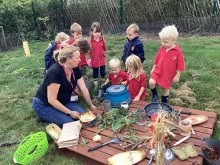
<point x="32" y="148"/>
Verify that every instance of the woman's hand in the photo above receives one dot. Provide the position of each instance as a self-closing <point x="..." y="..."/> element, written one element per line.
<point x="92" y="107"/>
<point x="74" y="114"/>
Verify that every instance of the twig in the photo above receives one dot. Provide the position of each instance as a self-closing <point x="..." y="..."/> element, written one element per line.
<point x="137" y="144"/>
<point x="129" y="145"/>
<point x="100" y="131"/>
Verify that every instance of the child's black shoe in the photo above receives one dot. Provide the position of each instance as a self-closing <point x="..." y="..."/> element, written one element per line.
<point x="154" y="99"/>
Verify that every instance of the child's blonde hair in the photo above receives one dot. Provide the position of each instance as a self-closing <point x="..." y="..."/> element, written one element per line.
<point x="169" y="32"/>
<point x="114" y="63"/>
<point x="133" y="26"/>
<point x="98" y="27"/>
<point x="60" y="37"/>
<point x="134" y="62"/>
<point x="75" y="27"/>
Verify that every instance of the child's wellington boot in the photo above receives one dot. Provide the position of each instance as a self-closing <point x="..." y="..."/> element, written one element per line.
<point x="164" y="99"/>
<point x="154" y="98"/>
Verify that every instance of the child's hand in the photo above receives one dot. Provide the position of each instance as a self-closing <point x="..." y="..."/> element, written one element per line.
<point x="176" y="79"/>
<point x="124" y="83"/>
<point x="103" y="85"/>
<point x="137" y="98"/>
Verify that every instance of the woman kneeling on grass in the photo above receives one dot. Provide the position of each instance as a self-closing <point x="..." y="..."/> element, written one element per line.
<point x="53" y="102"/>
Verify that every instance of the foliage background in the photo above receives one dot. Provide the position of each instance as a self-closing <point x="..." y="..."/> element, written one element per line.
<point x="21" y="76"/>
<point x="20" y="19"/>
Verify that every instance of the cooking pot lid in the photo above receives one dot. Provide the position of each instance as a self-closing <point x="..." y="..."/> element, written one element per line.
<point x="116" y="88"/>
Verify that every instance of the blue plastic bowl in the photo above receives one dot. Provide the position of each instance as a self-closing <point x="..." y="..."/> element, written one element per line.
<point x="117" y="94"/>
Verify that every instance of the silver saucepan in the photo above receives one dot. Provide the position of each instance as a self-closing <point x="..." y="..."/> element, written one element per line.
<point x="152" y="108"/>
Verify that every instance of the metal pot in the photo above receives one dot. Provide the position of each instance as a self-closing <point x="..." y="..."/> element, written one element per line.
<point x="210" y="143"/>
<point x="156" y="107"/>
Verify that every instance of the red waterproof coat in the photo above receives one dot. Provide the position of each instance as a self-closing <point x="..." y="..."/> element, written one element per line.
<point x="97" y="53"/>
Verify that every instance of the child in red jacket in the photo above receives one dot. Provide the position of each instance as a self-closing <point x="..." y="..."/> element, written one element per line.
<point x="168" y="64"/>
<point x="98" y="48"/>
<point x="76" y="34"/>
<point x="136" y="78"/>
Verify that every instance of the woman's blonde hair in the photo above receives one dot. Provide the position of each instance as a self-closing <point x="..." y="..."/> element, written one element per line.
<point x="114" y="62"/>
<point x="134" y="62"/>
<point x="169" y="32"/>
<point x="66" y="52"/>
<point x="60" y="37"/>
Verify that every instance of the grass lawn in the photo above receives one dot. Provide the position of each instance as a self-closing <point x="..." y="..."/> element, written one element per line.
<point x="20" y="77"/>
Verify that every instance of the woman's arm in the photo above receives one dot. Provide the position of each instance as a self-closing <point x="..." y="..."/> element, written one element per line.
<point x="52" y="91"/>
<point x="85" y="93"/>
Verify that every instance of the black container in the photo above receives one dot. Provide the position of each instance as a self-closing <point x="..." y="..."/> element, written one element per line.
<point x="156" y="107"/>
<point x="210" y="143"/>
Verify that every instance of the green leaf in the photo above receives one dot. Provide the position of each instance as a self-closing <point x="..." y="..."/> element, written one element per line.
<point x="116" y="125"/>
<point x="83" y="142"/>
<point x="127" y="121"/>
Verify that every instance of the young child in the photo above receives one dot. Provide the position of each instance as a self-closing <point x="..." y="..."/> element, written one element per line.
<point x="133" y="45"/>
<point x="98" y="48"/>
<point x="136" y="78"/>
<point x="116" y="76"/>
<point x="76" y="35"/>
<point x="168" y="64"/>
<point x="61" y="40"/>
